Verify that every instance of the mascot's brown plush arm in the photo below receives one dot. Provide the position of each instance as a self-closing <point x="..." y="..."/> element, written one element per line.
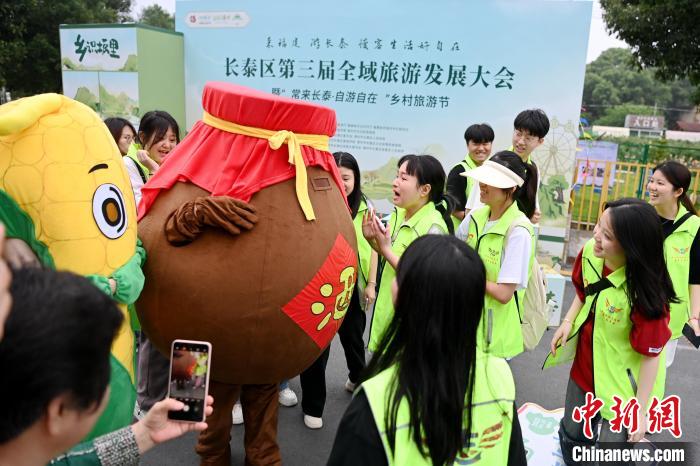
<point x="190" y="219"/>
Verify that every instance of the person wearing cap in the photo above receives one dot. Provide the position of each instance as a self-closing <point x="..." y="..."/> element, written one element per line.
<point x="502" y="235"/>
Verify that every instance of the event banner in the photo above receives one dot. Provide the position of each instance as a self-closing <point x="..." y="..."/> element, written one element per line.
<point x="100" y="68"/>
<point x="407" y="76"/>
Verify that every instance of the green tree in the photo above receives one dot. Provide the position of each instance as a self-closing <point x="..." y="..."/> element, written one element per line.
<point x="613" y="79"/>
<point x="155" y="15"/>
<point x="29" y="45"/>
<point x="663" y="34"/>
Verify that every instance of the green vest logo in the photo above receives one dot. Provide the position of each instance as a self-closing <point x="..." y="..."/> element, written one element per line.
<point x="681" y="251"/>
<point x="611" y="312"/>
<point x="681" y="255"/>
<point x="491" y="257"/>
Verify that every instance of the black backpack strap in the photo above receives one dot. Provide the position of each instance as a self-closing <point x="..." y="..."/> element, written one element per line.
<point x="143" y="175"/>
<point x="680" y="222"/>
<point x="597" y="287"/>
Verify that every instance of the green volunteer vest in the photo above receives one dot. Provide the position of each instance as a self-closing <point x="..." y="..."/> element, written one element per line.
<point x="467" y="164"/>
<point x="491" y="420"/>
<point x="677" y="255"/>
<point x="131" y="153"/>
<point x="364" y="250"/>
<point x="499" y="329"/>
<point x="402" y="234"/>
<point x="615" y="363"/>
<point x="529" y="157"/>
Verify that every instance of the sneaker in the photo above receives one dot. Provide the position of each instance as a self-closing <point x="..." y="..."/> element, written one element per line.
<point x="313" y="422"/>
<point x="287" y="397"/>
<point x="349" y="386"/>
<point x="237" y="414"/>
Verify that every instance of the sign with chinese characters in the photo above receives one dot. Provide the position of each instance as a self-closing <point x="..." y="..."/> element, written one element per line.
<point x="98" y="49"/>
<point x="100" y="68"/>
<point x="320" y="307"/>
<point x="645" y="122"/>
<point x="406" y="76"/>
<point x="662" y="415"/>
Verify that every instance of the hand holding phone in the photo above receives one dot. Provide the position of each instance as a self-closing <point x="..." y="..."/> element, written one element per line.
<point x="378" y="222"/>
<point x="189" y="379"/>
<point x="157" y="428"/>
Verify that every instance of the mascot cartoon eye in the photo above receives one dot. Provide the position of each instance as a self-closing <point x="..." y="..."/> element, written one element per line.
<point x="108" y="210"/>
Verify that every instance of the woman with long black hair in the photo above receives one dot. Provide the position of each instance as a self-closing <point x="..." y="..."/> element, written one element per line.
<point x="412" y="410"/>
<point x="668" y="194"/>
<point x="421" y="207"/>
<point x="617" y="325"/>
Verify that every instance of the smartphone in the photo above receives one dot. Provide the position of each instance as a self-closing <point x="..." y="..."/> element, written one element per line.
<point x="189" y="378"/>
<point x="379" y="223"/>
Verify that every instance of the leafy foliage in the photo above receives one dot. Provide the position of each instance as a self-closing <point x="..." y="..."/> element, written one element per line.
<point x="29" y="44"/>
<point x="614" y="85"/>
<point x="663" y="34"/>
<point x="155" y="15"/>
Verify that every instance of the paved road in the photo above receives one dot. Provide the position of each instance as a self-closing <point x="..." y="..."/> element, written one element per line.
<point x="304" y="447"/>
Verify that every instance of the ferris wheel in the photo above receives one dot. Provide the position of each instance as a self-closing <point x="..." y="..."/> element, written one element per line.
<point x="557" y="154"/>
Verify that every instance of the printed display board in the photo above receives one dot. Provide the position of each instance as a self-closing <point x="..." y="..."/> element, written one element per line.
<point x="591" y="160"/>
<point x="99" y="67"/>
<point x="406" y="76"/>
<point x="123" y="70"/>
<point x="540" y="429"/>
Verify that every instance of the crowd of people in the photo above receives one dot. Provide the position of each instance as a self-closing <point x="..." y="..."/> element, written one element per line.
<point x="445" y="278"/>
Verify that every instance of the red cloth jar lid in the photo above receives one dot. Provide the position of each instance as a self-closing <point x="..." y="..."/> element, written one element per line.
<point x="230" y="164"/>
<point x="250" y="107"/>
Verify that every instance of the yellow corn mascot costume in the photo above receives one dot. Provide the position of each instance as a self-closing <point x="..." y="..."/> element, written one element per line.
<point x="65" y="192"/>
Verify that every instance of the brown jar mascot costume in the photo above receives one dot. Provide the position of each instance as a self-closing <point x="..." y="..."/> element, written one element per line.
<point x="251" y="247"/>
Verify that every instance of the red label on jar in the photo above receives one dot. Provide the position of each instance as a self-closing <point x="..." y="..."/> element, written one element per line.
<point x="320" y="307"/>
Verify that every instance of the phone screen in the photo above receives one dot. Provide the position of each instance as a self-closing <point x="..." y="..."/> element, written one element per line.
<point x="189" y="378"/>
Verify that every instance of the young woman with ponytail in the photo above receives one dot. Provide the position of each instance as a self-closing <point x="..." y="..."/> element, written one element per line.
<point x="502" y="235"/>
<point x="422" y="208"/>
<point x="668" y="194"/>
